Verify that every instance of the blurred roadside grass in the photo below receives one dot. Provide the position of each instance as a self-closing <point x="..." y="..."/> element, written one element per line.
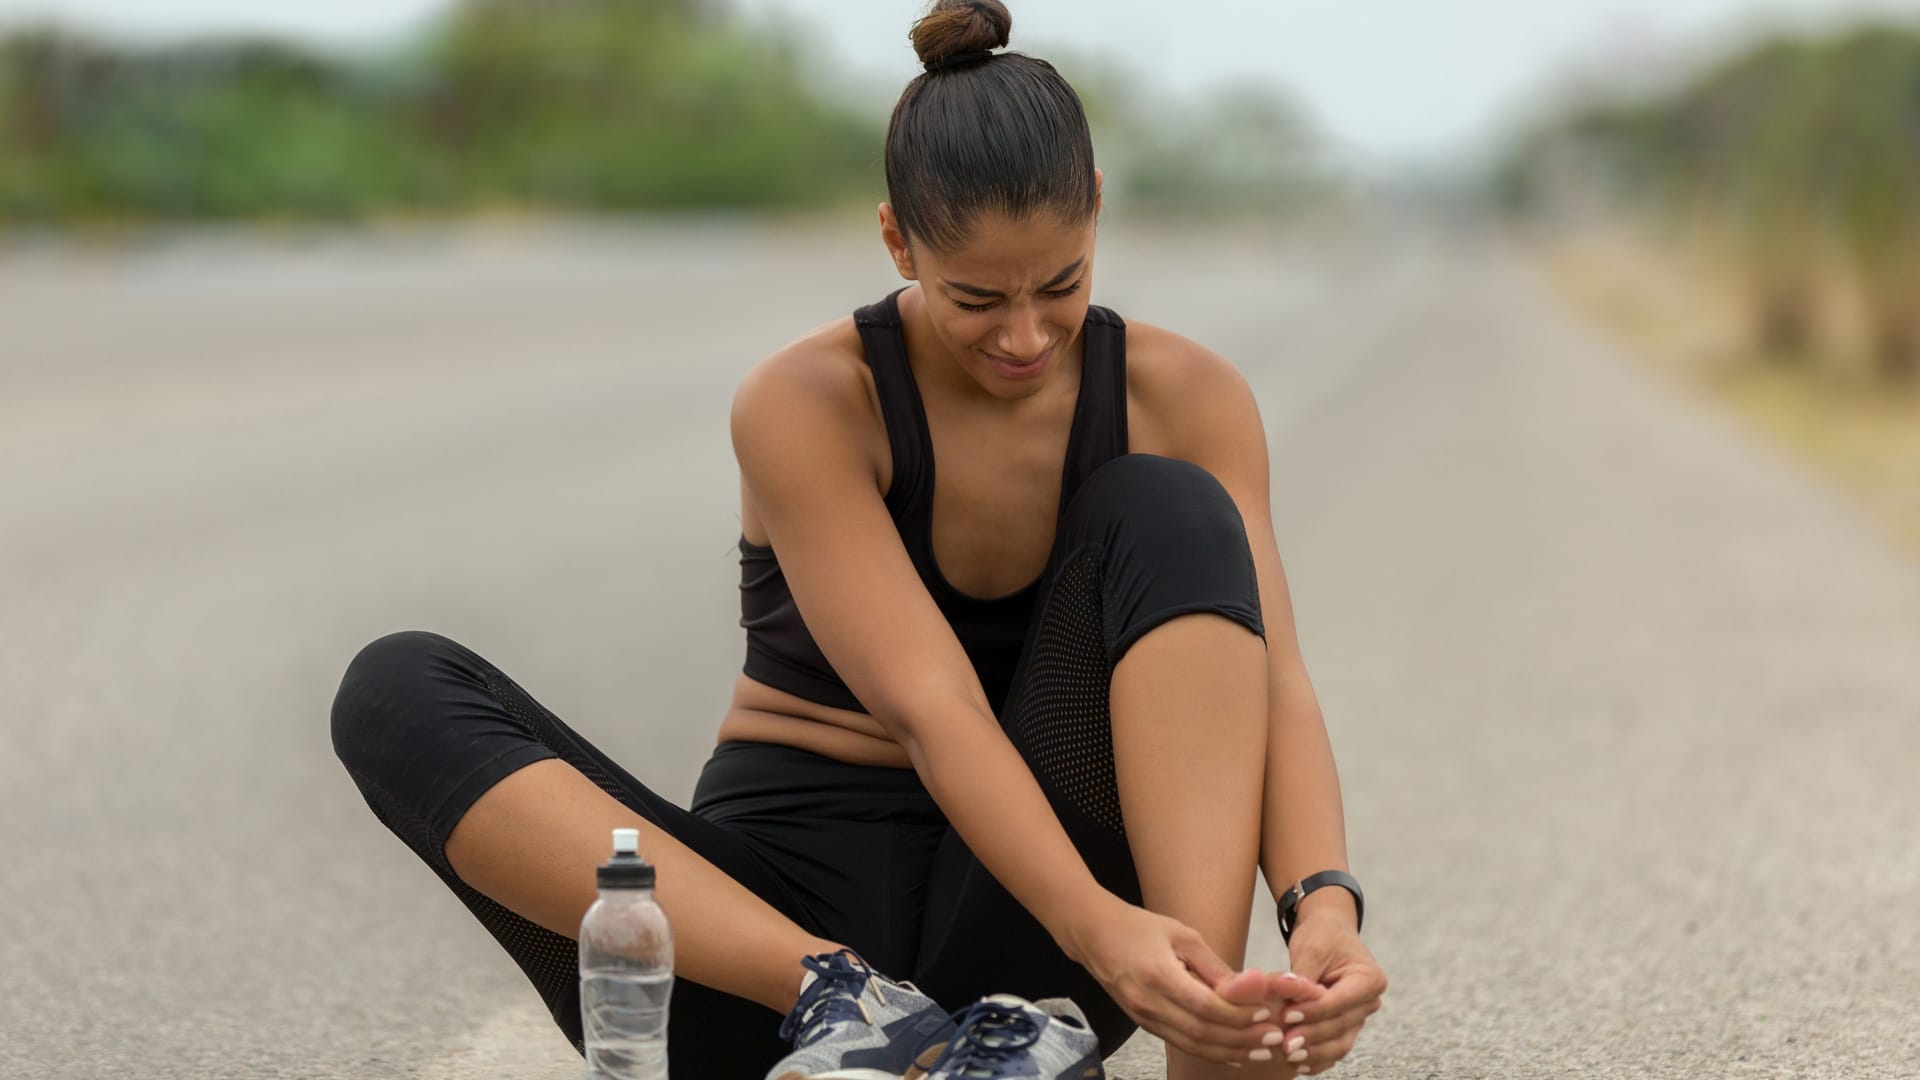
<point x="1687" y="317"/>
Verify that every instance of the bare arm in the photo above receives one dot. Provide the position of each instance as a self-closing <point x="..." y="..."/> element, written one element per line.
<point x="818" y="496"/>
<point x="864" y="603"/>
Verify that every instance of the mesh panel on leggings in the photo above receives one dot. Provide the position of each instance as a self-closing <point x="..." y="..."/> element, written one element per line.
<point x="1058" y="717"/>
<point x="550" y="961"/>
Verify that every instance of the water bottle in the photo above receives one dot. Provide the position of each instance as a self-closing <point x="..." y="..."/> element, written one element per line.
<point x="626" y="970"/>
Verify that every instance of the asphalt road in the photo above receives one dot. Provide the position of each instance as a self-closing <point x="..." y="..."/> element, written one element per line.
<point x="1627" y="704"/>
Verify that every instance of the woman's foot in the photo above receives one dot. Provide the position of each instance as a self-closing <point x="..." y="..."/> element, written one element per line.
<point x="853" y="1023"/>
<point x="1277" y="993"/>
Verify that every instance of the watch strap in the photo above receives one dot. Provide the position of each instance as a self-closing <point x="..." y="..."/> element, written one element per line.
<point x="1300" y="890"/>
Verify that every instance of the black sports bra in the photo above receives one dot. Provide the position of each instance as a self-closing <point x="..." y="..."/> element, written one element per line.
<point x="781" y="651"/>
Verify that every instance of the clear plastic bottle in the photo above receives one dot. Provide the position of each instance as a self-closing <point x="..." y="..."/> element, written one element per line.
<point x="626" y="970"/>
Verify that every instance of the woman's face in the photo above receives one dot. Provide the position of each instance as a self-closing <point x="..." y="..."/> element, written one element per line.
<point x="1009" y="303"/>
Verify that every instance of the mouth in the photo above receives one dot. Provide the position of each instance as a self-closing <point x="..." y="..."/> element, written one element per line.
<point x="1021" y="369"/>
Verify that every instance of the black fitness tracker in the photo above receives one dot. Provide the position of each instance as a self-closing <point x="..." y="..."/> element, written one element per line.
<point x="1290" y="900"/>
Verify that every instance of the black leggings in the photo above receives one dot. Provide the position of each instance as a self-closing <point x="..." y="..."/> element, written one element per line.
<point x="856" y="854"/>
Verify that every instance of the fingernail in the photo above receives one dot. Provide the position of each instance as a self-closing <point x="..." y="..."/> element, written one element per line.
<point x="1294" y="1016"/>
<point x="1298" y="1042"/>
<point x="1297" y="1056"/>
<point x="1263" y="1016"/>
<point x="1272" y="1038"/>
<point x="1260" y="1055"/>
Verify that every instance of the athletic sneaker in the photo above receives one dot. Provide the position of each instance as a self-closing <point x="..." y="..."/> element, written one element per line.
<point x="1004" y="1037"/>
<point x="853" y="1023"/>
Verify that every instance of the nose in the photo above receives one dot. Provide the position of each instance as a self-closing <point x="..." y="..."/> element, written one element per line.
<point x="1023" y="337"/>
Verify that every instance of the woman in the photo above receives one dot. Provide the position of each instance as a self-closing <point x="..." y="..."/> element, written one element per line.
<point x="1029" y="728"/>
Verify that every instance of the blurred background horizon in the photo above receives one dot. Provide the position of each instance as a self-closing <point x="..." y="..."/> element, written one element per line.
<point x="1388" y="84"/>
<point x="1732" y="184"/>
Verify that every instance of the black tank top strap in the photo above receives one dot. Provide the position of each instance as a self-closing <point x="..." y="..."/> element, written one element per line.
<point x="1100" y="417"/>
<point x="883" y="342"/>
<point x="781" y="652"/>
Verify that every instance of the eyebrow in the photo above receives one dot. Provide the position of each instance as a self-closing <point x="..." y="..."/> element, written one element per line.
<point x="975" y="290"/>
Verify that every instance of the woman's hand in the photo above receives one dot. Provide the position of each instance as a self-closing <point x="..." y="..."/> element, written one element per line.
<point x="1163" y="975"/>
<point x="1328" y="951"/>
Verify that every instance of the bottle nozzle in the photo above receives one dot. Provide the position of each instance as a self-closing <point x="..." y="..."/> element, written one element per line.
<point x="626" y="870"/>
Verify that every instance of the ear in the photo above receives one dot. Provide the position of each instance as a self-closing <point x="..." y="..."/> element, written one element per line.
<point x="1099" y="182"/>
<point x="896" y="241"/>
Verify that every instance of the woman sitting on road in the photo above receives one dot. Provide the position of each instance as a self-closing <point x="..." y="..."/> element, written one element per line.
<point x="1022" y="709"/>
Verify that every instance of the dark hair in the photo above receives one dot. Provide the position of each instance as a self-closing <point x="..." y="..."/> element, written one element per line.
<point x="1004" y="134"/>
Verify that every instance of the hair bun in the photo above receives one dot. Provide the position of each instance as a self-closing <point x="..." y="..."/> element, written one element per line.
<point x="951" y="27"/>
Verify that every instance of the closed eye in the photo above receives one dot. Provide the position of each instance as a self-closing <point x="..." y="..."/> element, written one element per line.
<point x="1056" y="294"/>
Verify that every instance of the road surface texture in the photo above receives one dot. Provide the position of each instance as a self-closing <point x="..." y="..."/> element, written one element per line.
<point x="1627" y="705"/>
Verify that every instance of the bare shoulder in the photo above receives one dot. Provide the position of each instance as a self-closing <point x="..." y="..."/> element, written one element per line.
<point x="807" y="417"/>
<point x="1182" y="397"/>
<point x="823" y="368"/>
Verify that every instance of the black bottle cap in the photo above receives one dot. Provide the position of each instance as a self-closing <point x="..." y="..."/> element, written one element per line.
<point x="626" y="870"/>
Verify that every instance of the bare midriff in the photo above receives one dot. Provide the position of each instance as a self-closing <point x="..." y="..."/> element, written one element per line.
<point x="759" y="713"/>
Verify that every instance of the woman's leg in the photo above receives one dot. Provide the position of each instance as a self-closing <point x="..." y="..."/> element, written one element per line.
<point x="1189" y="741"/>
<point x="513" y="810"/>
<point x="1141" y="708"/>
<point x="532" y="841"/>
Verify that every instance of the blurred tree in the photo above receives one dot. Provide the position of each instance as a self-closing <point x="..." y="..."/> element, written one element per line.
<point x="1795" y="147"/>
<point x="608" y="104"/>
<point x="45" y="77"/>
<point x="630" y="103"/>
<point x="1748" y="133"/>
<point x="1242" y="147"/>
<point x="575" y="103"/>
<point x="1873" y="140"/>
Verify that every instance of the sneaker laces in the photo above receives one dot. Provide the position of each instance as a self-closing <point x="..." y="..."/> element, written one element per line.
<point x="991" y="1037"/>
<point x="833" y="996"/>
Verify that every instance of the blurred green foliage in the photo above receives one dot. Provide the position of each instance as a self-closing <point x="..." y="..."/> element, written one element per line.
<point x="602" y="104"/>
<point x="1795" y="148"/>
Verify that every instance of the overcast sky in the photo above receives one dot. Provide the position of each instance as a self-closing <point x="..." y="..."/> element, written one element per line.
<point x="1390" y="79"/>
